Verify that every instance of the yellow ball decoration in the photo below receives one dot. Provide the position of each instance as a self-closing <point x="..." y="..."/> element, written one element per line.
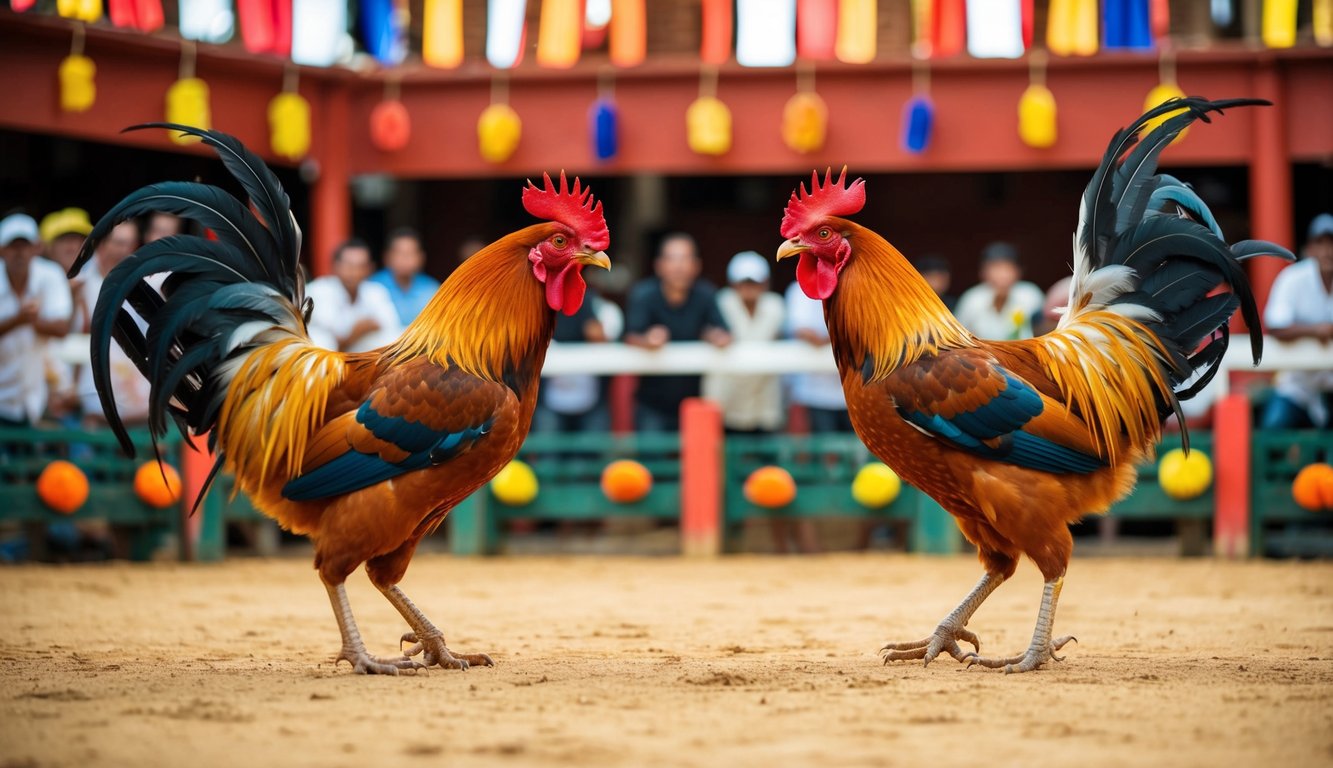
<point x="187" y="104"/>
<point x="805" y="122"/>
<point x="78" y="89"/>
<point x="1156" y="97"/>
<point x="876" y="486"/>
<point x="1185" y="477"/>
<point x="289" y="125"/>
<point x="515" y="485"/>
<point x="1036" y="117"/>
<point x="708" y="126"/>
<point x="498" y="131"/>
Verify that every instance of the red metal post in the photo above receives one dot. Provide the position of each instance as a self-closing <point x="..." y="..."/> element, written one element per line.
<point x="700" y="477"/>
<point x="331" y="208"/>
<point x="1231" y="497"/>
<point x="1270" y="178"/>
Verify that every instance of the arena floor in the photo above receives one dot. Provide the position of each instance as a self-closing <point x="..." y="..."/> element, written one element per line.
<point x="663" y="661"/>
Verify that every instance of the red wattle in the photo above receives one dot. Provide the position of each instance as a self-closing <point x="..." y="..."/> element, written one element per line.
<point x="818" y="278"/>
<point x="565" y="289"/>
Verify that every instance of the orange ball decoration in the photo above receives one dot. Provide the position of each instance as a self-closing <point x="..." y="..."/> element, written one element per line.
<point x="63" y="487"/>
<point x="626" y="482"/>
<point x="157" y="485"/>
<point x="770" y="487"/>
<point x="1313" y="488"/>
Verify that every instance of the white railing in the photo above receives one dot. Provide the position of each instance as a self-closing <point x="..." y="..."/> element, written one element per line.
<point x="798" y="357"/>
<point x="690" y="357"/>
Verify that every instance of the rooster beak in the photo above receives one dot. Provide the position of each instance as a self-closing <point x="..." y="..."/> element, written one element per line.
<point x="591" y="259"/>
<point x="792" y="247"/>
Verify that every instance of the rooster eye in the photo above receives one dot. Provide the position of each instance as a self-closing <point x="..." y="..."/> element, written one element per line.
<point x="559" y="241"/>
<point x="824" y="233"/>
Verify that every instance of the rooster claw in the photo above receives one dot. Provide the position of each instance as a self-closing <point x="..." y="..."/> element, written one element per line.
<point x="1035" y="656"/>
<point x="365" y="664"/>
<point x="944" y="639"/>
<point x="433" y="652"/>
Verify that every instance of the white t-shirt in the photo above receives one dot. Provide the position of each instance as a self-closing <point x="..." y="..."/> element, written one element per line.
<point x="976" y="311"/>
<point x="813" y="390"/>
<point x="1299" y="298"/>
<point x="23" y="389"/>
<point x="335" y="313"/>
<point x="749" y="401"/>
<point x="130" y="389"/>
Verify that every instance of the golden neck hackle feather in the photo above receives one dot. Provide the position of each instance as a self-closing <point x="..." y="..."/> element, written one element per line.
<point x="885" y="309"/>
<point x="489" y="316"/>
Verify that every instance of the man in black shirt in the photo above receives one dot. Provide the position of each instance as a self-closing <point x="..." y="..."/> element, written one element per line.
<point x="674" y="305"/>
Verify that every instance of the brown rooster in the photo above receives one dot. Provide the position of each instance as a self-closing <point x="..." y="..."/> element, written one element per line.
<point x="1017" y="439"/>
<point x="364" y="453"/>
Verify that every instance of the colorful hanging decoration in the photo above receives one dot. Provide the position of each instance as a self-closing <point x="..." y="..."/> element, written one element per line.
<point x="1071" y="27"/>
<point x="765" y="33"/>
<point x="995" y="29"/>
<point x="1165" y="90"/>
<point x="596" y="23"/>
<point x="318" y="32"/>
<point x="708" y="120"/>
<point x="382" y="31"/>
<point x="504" y="32"/>
<point x="141" y="15"/>
<point x="923" y="14"/>
<point x="209" y="21"/>
<point x="918" y="112"/>
<point x="1222" y="12"/>
<point x="1036" y="108"/>
<point x="816" y="29"/>
<point x="442" y="33"/>
<point x="560" y="34"/>
<point x="266" y="26"/>
<point x="1321" y="19"/>
<point x="603" y="121"/>
<point x="499" y="127"/>
<point x="629" y="32"/>
<point x="390" y="123"/>
<point x="1126" y="25"/>
<point x="858" y="31"/>
<point x="1279" y="23"/>
<point x="187" y="98"/>
<point x="289" y="120"/>
<point x="20" y="6"/>
<point x="948" y="33"/>
<point x="1159" y="16"/>
<point x="78" y="89"/>
<point x="715" y="37"/>
<point x="83" y="10"/>
<point x="805" y="117"/>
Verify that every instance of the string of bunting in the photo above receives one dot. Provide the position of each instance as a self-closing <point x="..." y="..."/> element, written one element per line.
<point x="803" y="34"/>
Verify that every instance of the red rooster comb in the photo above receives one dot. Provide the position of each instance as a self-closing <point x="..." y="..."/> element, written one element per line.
<point x="832" y="198"/>
<point x="574" y="208"/>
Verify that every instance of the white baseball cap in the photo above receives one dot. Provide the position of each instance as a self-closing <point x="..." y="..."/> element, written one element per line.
<point x="747" y="265"/>
<point x="18" y="226"/>
<point x="1321" y="226"/>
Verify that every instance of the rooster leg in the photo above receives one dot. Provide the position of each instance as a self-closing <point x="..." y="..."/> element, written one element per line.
<point x="950" y="631"/>
<point x="354" y="650"/>
<point x="1042" y="647"/>
<point x="427" y="639"/>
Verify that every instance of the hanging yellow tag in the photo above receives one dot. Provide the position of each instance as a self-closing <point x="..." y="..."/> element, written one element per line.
<point x="498" y="132"/>
<point x="708" y="126"/>
<point x="78" y="89"/>
<point x="1156" y="97"/>
<point x="187" y="104"/>
<point x="289" y="125"/>
<point x="1279" y="23"/>
<point x="805" y="122"/>
<point x="83" y="10"/>
<point x="442" y="33"/>
<point x="1036" y="117"/>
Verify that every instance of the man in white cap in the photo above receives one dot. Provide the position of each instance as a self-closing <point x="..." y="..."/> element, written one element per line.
<point x="34" y="305"/>
<point x="750" y="403"/>
<point x="1300" y="306"/>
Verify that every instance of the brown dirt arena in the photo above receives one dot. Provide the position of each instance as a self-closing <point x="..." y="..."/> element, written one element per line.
<point x="666" y="662"/>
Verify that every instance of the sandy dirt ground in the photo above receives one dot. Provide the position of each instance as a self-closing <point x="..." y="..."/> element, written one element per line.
<point x="664" y="661"/>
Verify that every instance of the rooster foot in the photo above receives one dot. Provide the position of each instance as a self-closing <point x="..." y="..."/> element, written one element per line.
<point x="944" y="639"/>
<point x="1037" y="654"/>
<point x="365" y="664"/>
<point x="433" y="652"/>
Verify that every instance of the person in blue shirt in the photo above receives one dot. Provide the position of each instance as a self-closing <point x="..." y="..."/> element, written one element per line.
<point x="410" y="289"/>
